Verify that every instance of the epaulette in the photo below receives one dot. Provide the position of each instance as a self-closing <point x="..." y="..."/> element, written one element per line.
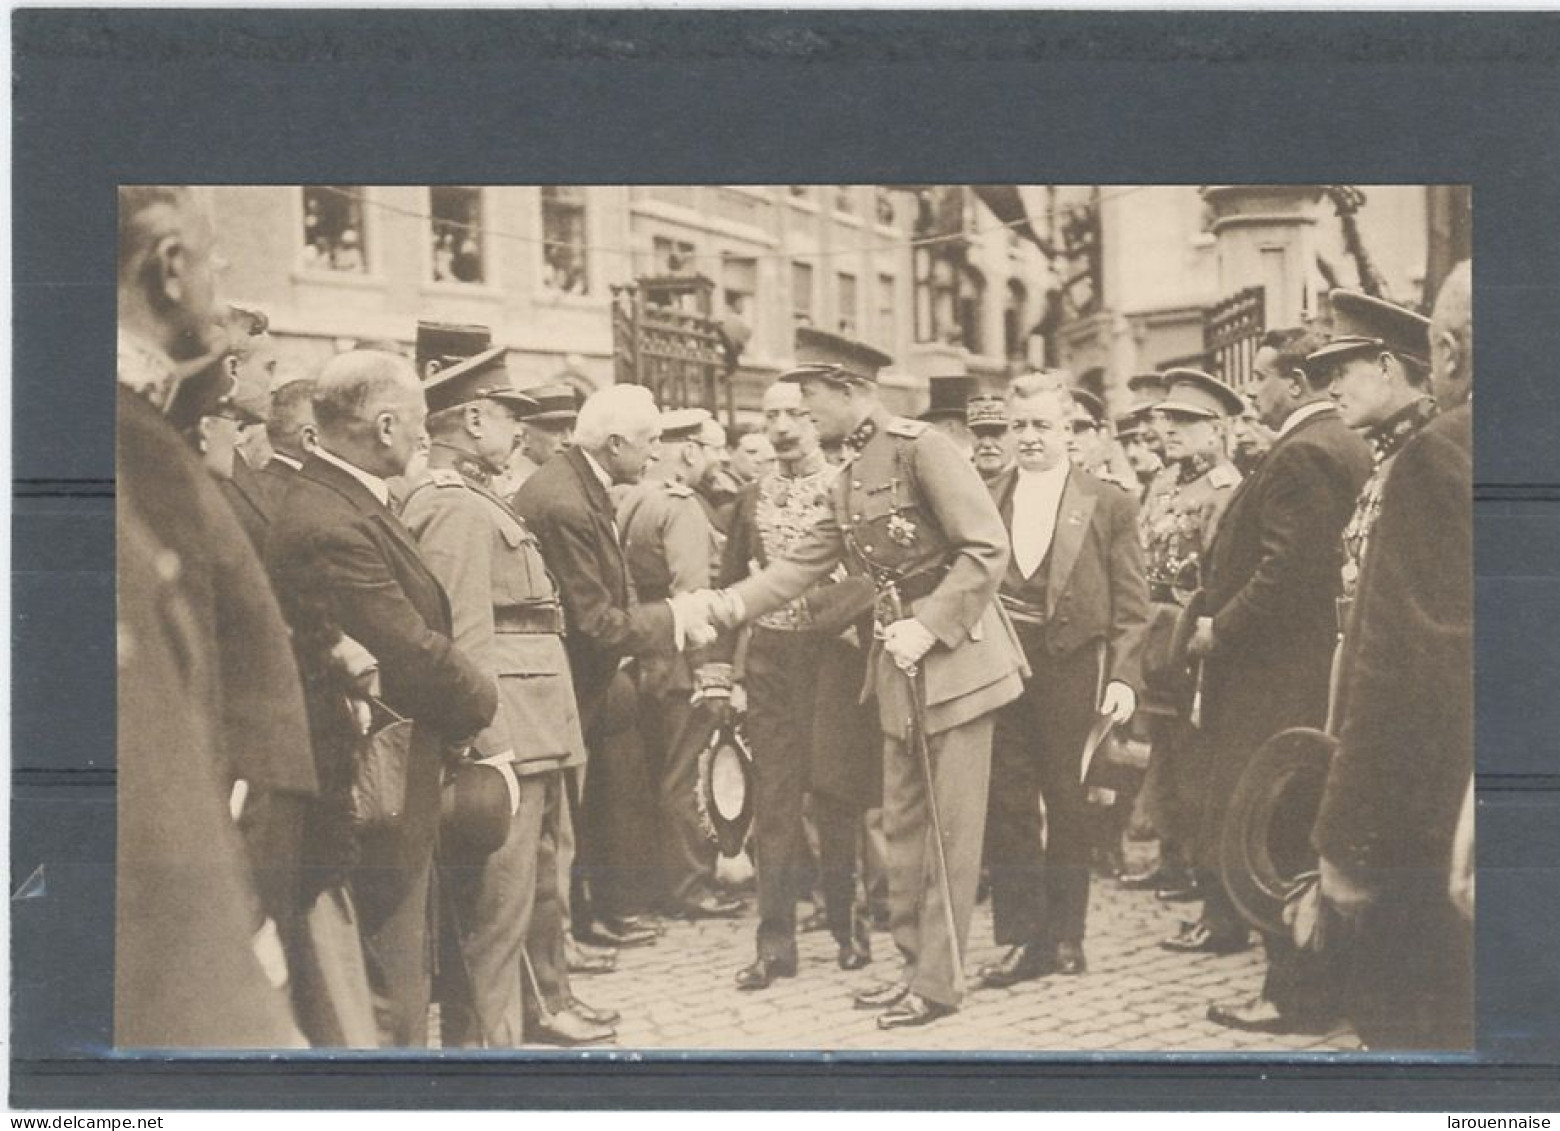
<point x="1224" y="475"/>
<point x="679" y="490"/>
<point x="445" y="477"/>
<point x="907" y="429"/>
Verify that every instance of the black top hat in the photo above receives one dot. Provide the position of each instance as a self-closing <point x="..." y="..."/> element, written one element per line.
<point x="447" y="342"/>
<point x="473" y="812"/>
<point x="1090" y="404"/>
<point x="950" y="397"/>
<point x="820" y="354"/>
<point x="725" y="797"/>
<point x="1191" y="392"/>
<point x="483" y="377"/>
<point x="1266" y="851"/>
<point x="1363" y="324"/>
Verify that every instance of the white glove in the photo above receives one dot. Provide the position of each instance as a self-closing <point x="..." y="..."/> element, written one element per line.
<point x="1119" y="703"/>
<point x="907" y="641"/>
<point x="738" y="699"/>
<point x="693" y="618"/>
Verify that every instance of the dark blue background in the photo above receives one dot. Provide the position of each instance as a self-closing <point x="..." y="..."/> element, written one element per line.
<point x="289" y="96"/>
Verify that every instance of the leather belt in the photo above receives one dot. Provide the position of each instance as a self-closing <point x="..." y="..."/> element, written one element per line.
<point x="538" y="620"/>
<point x="920" y="584"/>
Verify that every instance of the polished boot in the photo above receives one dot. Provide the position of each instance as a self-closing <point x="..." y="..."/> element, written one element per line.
<point x="1070" y="959"/>
<point x="853" y="956"/>
<point x="914" y="1010"/>
<point x="567" y="1029"/>
<point x="1200" y="938"/>
<point x="615" y="935"/>
<point x="1021" y="963"/>
<point x="594" y="1015"/>
<point x="763" y="972"/>
<point x="583" y="959"/>
<point x="882" y="996"/>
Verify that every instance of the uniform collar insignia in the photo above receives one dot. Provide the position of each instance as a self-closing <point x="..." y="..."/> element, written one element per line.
<point x="1396" y="430"/>
<point x="470" y="467"/>
<point x="863" y="432"/>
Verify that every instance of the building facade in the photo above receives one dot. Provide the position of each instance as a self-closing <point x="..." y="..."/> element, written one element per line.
<point x="927" y="273"/>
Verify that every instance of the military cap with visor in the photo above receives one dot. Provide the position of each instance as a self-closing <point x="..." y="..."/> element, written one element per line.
<point x="555" y="403"/>
<point x="1090" y="404"/>
<point x="1134" y="423"/>
<point x="1148" y="388"/>
<point x="483" y="377"/>
<point x="679" y="424"/>
<point x="986" y="412"/>
<point x="1363" y="324"/>
<point x="1191" y="392"/>
<point x="447" y="343"/>
<point x="821" y="355"/>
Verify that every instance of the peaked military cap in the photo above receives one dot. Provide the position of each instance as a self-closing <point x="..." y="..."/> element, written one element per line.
<point x="1362" y="324"/>
<point x="1134" y="422"/>
<point x="1090" y="404"/>
<point x="834" y="358"/>
<point x="554" y="402"/>
<point x="950" y="397"/>
<point x="445" y="343"/>
<point x="483" y="377"/>
<point x="679" y="424"/>
<point x="986" y="411"/>
<point x="1149" y="388"/>
<point x="1192" y="392"/>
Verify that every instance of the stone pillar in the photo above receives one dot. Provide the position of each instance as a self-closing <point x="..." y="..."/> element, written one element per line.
<point x="1265" y="237"/>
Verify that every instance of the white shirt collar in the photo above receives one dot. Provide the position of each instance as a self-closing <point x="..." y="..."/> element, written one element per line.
<point x="376" y="486"/>
<point x="601" y="472"/>
<point x="1304" y="413"/>
<point x="1053" y="477"/>
<point x="288" y="460"/>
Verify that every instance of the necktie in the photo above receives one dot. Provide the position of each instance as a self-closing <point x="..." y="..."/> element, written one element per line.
<point x="1033" y="523"/>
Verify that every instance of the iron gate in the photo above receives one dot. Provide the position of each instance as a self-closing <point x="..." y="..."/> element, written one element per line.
<point x="1232" y="331"/>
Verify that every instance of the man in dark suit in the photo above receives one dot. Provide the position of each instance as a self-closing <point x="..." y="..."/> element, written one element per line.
<point x="1075" y="592"/>
<point x="1270" y="580"/>
<point x="566" y="504"/>
<point x="1405" y="738"/>
<point x="211" y="726"/>
<point x="340" y="557"/>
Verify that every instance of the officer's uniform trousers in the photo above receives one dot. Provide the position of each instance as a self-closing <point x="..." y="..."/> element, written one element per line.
<point x="960" y="759"/>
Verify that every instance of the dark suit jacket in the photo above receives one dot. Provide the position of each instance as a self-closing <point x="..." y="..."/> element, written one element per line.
<point x="341" y="561"/>
<point x="1270" y="579"/>
<point x="253" y="498"/>
<point x="1406" y="734"/>
<point x="571" y="514"/>
<point x="1095" y="588"/>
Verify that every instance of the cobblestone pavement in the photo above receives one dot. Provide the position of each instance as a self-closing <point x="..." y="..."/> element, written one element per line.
<point x="679" y="994"/>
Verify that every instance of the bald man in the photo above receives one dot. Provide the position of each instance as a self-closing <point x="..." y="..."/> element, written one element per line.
<point x="340" y="558"/>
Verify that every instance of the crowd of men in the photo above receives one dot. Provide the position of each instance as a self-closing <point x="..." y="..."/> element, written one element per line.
<point x="420" y="671"/>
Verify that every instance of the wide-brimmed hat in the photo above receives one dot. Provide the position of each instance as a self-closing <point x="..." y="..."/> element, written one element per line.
<point x="1266" y="853"/>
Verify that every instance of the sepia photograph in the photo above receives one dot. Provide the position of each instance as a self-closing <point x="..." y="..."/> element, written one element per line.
<point x="924" y="618"/>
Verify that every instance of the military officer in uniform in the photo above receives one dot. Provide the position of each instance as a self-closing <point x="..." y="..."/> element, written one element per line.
<point x="672" y="547"/>
<point x="503" y="912"/>
<point x="1177" y="525"/>
<point x="987" y="417"/>
<point x="1132" y="430"/>
<point x="547" y="430"/>
<point x="1091" y="445"/>
<point x="908" y="510"/>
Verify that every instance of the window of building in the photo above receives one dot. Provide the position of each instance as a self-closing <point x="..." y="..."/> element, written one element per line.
<point x="333" y="238"/>
<point x="845" y="199"/>
<point x="456" y="232"/>
<point x="884" y="204"/>
<point x="739" y="284"/>
<point x="802" y="293"/>
<point x="565" y="262"/>
<point x="971" y="303"/>
<point x="672" y="256"/>
<point x="1014" y="314"/>
<point x="887" y="313"/>
<point x="845" y="289"/>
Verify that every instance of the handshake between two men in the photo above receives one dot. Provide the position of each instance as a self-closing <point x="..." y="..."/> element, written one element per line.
<point x="704" y="613"/>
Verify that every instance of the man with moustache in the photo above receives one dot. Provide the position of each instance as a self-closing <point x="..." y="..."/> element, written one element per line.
<point x="805" y="735"/>
<point x="908" y="511"/>
<point x="1091" y="446"/>
<point x="992" y="451"/>
<point x="504" y="920"/>
<point x="1074" y="590"/>
<point x="1268" y="633"/>
<point x="547" y="430"/>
